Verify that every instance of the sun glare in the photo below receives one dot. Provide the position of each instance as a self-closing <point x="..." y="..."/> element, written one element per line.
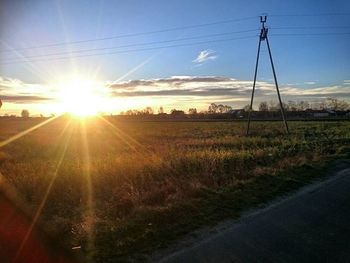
<point x="80" y="97"/>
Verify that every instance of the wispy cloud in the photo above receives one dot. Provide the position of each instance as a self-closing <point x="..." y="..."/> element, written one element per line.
<point x="221" y="88"/>
<point x="205" y="55"/>
<point x="16" y="91"/>
<point x="23" y="98"/>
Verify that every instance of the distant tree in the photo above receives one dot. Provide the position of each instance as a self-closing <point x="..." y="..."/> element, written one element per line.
<point x="322" y="105"/>
<point x="0" y="103"/>
<point x="147" y="111"/>
<point x="177" y="112"/>
<point x="160" y="110"/>
<point x="303" y="105"/>
<point x="246" y="107"/>
<point x="227" y="108"/>
<point x="129" y="112"/>
<point x="285" y="106"/>
<point x="212" y="108"/>
<point x="263" y="106"/>
<point x="221" y="108"/>
<point x="343" y="105"/>
<point x="292" y="105"/>
<point x="273" y="106"/>
<point x="25" y="113"/>
<point x="192" y="111"/>
<point x="336" y="104"/>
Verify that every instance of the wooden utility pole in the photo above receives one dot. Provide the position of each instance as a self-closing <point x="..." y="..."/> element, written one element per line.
<point x="262" y="37"/>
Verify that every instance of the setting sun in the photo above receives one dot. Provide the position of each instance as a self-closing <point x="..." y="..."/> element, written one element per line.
<point x="80" y="97"/>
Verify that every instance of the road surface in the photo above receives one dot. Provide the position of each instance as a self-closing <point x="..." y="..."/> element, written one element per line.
<point x="312" y="225"/>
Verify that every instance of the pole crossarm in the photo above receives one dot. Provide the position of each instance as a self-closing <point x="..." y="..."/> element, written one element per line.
<point x="263" y="36"/>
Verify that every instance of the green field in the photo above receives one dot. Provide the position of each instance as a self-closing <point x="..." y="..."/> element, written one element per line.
<point x="121" y="190"/>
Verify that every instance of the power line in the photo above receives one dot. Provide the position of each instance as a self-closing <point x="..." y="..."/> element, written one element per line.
<point x="309" y="27"/>
<point x="163" y="47"/>
<point x="176" y="40"/>
<point x="132" y="45"/>
<point x="132" y="50"/>
<point x="180" y="39"/>
<point x="134" y="34"/>
<point x="299" y="15"/>
<point x="311" y="34"/>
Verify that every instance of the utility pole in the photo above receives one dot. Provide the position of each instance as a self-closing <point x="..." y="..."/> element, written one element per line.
<point x="262" y="37"/>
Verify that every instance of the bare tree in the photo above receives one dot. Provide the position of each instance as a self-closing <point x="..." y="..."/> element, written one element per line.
<point x="192" y="111"/>
<point x="246" y="107"/>
<point x="292" y="106"/>
<point x="263" y="106"/>
<point x="25" y="113"/>
<point x="227" y="108"/>
<point x="273" y="106"/>
<point x="148" y="111"/>
<point x="336" y="104"/>
<point x="212" y="108"/>
<point x="303" y="105"/>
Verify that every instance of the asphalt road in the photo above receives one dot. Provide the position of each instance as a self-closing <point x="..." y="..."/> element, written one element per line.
<point x="313" y="225"/>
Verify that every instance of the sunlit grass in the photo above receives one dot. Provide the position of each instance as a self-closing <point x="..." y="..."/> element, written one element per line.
<point x="92" y="178"/>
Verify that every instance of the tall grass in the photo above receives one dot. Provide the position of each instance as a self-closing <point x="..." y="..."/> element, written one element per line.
<point x="138" y="167"/>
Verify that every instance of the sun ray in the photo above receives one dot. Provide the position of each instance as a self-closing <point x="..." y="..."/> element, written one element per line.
<point x="38" y="72"/>
<point x="48" y="190"/>
<point x="137" y="147"/>
<point x="68" y="47"/>
<point x="21" y="134"/>
<point x="143" y="63"/>
<point x="90" y="215"/>
<point x="128" y="140"/>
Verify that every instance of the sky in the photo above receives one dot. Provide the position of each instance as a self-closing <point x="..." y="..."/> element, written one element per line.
<point x="176" y="54"/>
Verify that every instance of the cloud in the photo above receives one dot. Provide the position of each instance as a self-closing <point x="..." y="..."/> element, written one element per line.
<point x="23" y="98"/>
<point x="205" y="55"/>
<point x="310" y="82"/>
<point x="220" y="88"/>
<point x="172" y="81"/>
<point x="16" y="91"/>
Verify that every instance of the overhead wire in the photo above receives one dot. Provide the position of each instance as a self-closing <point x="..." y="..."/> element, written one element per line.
<point x="132" y="50"/>
<point x="300" y="15"/>
<point x="168" y="46"/>
<point x="73" y="53"/>
<point x="309" y="27"/>
<point x="311" y="34"/>
<point x="133" y="34"/>
<point x="131" y="45"/>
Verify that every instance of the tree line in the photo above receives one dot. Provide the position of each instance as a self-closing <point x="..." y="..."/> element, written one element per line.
<point x="327" y="104"/>
<point x="334" y="104"/>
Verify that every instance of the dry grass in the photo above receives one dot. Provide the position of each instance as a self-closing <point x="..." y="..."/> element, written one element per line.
<point x="105" y="174"/>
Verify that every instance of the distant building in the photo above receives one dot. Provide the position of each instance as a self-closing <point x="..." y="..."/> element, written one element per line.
<point x="238" y="113"/>
<point x="321" y="113"/>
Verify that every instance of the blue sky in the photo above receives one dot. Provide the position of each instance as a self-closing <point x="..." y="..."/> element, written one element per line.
<point x="305" y="62"/>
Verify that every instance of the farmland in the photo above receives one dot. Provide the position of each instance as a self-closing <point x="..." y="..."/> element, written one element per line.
<point x="122" y="189"/>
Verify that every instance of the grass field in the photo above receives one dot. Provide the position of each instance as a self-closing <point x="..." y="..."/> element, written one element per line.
<point x="121" y="190"/>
